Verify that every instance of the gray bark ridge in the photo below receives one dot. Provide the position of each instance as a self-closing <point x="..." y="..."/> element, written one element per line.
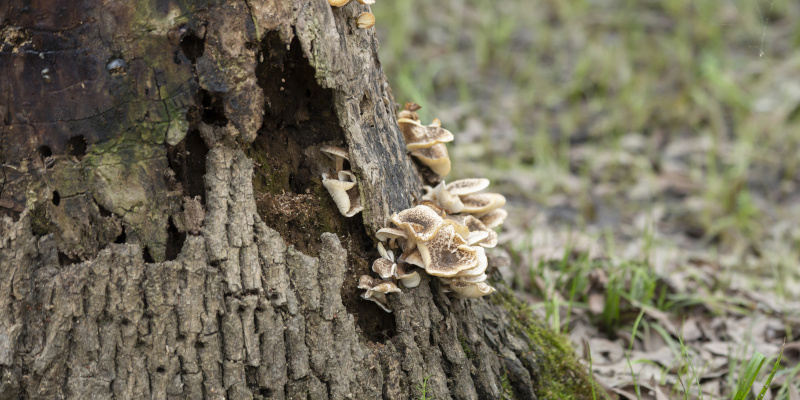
<point x="239" y="312"/>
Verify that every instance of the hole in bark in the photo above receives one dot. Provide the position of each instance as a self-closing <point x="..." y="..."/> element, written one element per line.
<point x="146" y="255"/>
<point x="65" y="260"/>
<point x="175" y="240"/>
<point x="199" y="345"/>
<point x="265" y="393"/>
<point x="187" y="160"/>
<point x="192" y="46"/>
<point x="56" y="198"/>
<point x="251" y="377"/>
<point x="76" y="146"/>
<point x="161" y="370"/>
<point x="44" y="151"/>
<point x="121" y="238"/>
<point x="125" y="322"/>
<point x="181" y="337"/>
<point x="212" y="109"/>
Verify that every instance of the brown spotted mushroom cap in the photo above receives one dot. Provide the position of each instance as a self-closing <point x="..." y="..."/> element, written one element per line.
<point x="495" y="218"/>
<point x="467" y="290"/>
<point x="447" y="254"/>
<point x="420" y="223"/>
<point x="384" y="268"/>
<point x="467" y="186"/>
<point x="482" y="203"/>
<point x="435" y="158"/>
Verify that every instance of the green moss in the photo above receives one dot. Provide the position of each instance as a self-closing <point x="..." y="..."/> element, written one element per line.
<point x="558" y="373"/>
<point x="465" y="346"/>
<point x="508" y="391"/>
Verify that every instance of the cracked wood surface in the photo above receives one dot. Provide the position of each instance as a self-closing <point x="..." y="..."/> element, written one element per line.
<point x="134" y="262"/>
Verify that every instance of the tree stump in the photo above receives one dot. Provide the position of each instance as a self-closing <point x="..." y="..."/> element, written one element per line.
<point x="164" y="232"/>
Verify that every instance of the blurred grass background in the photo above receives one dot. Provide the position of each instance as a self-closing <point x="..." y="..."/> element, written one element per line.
<point x="618" y="104"/>
<point x="655" y="127"/>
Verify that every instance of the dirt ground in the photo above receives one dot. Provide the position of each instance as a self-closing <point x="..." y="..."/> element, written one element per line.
<point x="649" y="153"/>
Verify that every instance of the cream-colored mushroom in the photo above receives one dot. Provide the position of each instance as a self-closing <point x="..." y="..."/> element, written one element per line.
<point x="420" y="223"/>
<point x="418" y="136"/>
<point x="495" y="218"/>
<point x="344" y="192"/>
<point x="377" y="290"/>
<point x="479" y="204"/>
<point x="365" y="20"/>
<point x="337" y="154"/>
<point x="385" y="268"/>
<point x="409" y="277"/>
<point x="338" y="3"/>
<point x="466" y="186"/>
<point x="435" y="158"/>
<point x="467" y="290"/>
<point x="447" y="254"/>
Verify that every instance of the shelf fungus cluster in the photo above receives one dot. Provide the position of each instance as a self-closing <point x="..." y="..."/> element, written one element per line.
<point x="444" y="236"/>
<point x="342" y="183"/>
<point x="425" y="142"/>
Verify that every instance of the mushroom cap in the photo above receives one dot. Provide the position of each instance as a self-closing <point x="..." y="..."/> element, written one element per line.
<point x="444" y="198"/>
<point x="460" y="229"/>
<point x="481" y="266"/>
<point x="388" y="255"/>
<point x="433" y="206"/>
<point x="385" y="268"/>
<point x="347" y="176"/>
<point x="408" y="114"/>
<point x="365" y="282"/>
<point x="380" y="301"/>
<point x="338" y="191"/>
<point x="435" y="158"/>
<point x="407" y="275"/>
<point x="365" y="20"/>
<point x="468" y="279"/>
<point x="334" y="152"/>
<point x="420" y="223"/>
<point x="467" y="186"/>
<point x="467" y="290"/>
<point x="475" y="225"/>
<point x="366" y="1"/>
<point x="495" y="218"/>
<point x="482" y="203"/>
<point x="355" y="203"/>
<point x="384" y="234"/>
<point x="418" y="136"/>
<point x="447" y="254"/>
<point x="415" y="258"/>
<point x="385" y="287"/>
<point x="338" y="3"/>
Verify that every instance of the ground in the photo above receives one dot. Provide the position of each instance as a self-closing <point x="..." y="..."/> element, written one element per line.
<point x="648" y="151"/>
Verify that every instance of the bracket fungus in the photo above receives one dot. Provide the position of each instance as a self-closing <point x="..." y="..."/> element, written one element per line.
<point x="446" y="234"/>
<point x="365" y="20"/>
<point x="425" y="143"/>
<point x="342" y="184"/>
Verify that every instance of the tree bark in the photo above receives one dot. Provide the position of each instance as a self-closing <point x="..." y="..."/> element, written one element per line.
<point x="165" y="234"/>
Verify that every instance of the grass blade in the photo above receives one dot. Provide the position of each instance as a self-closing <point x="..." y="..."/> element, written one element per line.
<point x="750" y="373"/>
<point x="772" y="374"/>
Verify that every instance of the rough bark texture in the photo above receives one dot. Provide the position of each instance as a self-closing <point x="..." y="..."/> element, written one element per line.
<point x="164" y="232"/>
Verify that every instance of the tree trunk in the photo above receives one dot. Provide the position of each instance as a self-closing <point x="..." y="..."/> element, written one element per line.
<point x="165" y="233"/>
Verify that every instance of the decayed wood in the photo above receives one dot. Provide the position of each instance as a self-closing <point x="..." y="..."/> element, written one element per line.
<point x="159" y="161"/>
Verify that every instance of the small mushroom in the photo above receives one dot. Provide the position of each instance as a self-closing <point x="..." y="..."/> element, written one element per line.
<point x="344" y="192"/>
<point x="377" y="290"/>
<point x="435" y="158"/>
<point x="418" y="136"/>
<point x="337" y="154"/>
<point x="467" y="290"/>
<point x="414" y="258"/>
<point x="482" y="203"/>
<point x="475" y="225"/>
<point x="495" y="218"/>
<point x="480" y="267"/>
<point x="440" y="196"/>
<point x="467" y="186"/>
<point x="338" y="3"/>
<point x="385" y="268"/>
<point x="409" y="277"/>
<point x="366" y="1"/>
<point x="365" y="20"/>
<point x="420" y="223"/>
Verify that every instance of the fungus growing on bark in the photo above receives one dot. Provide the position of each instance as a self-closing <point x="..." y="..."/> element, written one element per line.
<point x="365" y="20"/>
<point x="420" y="223"/>
<point x="495" y="218"/>
<point x="338" y="3"/>
<point x="376" y="290"/>
<point x="407" y="275"/>
<point x="344" y="186"/>
<point x="426" y="143"/>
